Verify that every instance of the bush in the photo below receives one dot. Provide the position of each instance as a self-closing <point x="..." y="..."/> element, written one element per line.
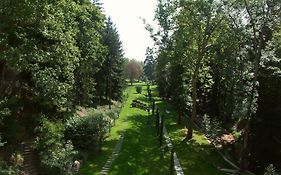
<point x="55" y="153"/>
<point x="112" y="113"/>
<point x="8" y="170"/>
<point x="212" y="127"/>
<point x="125" y="96"/>
<point x="87" y="132"/>
<point x="139" y="89"/>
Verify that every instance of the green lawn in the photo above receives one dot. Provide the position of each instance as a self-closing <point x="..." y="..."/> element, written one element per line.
<point x="140" y="153"/>
<point x="197" y="157"/>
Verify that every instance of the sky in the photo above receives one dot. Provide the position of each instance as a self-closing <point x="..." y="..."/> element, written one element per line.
<point x="127" y="15"/>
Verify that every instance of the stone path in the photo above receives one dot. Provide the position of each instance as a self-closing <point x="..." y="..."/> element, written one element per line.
<point x="114" y="155"/>
<point x="178" y="168"/>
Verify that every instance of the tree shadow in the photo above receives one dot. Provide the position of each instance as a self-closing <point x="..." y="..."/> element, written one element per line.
<point x="141" y="153"/>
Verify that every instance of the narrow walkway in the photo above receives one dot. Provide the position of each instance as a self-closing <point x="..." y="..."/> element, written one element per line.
<point x="178" y="168"/>
<point x="114" y="155"/>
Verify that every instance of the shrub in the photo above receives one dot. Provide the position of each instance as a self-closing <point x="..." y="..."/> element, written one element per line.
<point x="87" y="132"/>
<point x="212" y="127"/>
<point x="7" y="169"/>
<point x="139" y="89"/>
<point x="55" y="153"/>
<point x="125" y="96"/>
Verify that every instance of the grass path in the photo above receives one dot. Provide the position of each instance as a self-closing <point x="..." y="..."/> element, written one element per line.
<point x="140" y="153"/>
<point x="114" y="155"/>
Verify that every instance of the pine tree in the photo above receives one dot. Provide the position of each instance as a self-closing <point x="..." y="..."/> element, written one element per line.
<point x="149" y="64"/>
<point x="89" y="39"/>
<point x="111" y="73"/>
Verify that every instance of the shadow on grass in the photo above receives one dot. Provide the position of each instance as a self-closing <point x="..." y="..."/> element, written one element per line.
<point x="97" y="159"/>
<point x="197" y="156"/>
<point x="140" y="153"/>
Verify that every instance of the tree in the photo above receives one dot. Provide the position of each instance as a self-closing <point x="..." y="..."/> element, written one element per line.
<point x="38" y="57"/>
<point x="221" y="58"/>
<point x="263" y="19"/>
<point x="89" y="40"/>
<point x="111" y="73"/>
<point x="54" y="55"/>
<point x="133" y="70"/>
<point x="200" y="20"/>
<point x="149" y="64"/>
<point x="39" y="54"/>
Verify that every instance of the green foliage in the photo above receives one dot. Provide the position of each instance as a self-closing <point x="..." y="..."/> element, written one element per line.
<point x="110" y="79"/>
<point x="138" y="139"/>
<point x="88" y="132"/>
<point x="85" y="132"/>
<point x="4" y="109"/>
<point x="212" y="126"/>
<point x="41" y="48"/>
<point x="149" y="64"/>
<point x="133" y="70"/>
<point x="8" y="170"/>
<point x="54" y="56"/>
<point x="91" y="24"/>
<point x="115" y="110"/>
<point x="221" y="58"/>
<point x="56" y="154"/>
<point x="270" y="170"/>
<point x="139" y="89"/>
<point x="236" y="134"/>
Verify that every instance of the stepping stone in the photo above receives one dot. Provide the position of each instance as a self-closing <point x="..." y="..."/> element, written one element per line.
<point x="177" y="165"/>
<point x="113" y="156"/>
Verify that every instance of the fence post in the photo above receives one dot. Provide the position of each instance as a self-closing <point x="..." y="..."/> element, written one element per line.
<point x="172" y="162"/>
<point x="153" y="107"/>
<point x="157" y="122"/>
<point x="161" y="131"/>
<point x="148" y="116"/>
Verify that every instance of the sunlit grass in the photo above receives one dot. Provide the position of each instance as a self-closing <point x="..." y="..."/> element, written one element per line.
<point x="140" y="153"/>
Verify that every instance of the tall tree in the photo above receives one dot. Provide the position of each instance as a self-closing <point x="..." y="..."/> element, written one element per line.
<point x="111" y="73"/>
<point x="38" y="58"/>
<point x="89" y="40"/>
<point x="261" y="20"/>
<point x="149" y="64"/>
<point x="133" y="70"/>
<point x="218" y="57"/>
<point x="200" y="20"/>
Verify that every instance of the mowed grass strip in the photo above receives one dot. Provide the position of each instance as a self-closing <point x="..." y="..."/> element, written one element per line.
<point x="197" y="156"/>
<point x="140" y="153"/>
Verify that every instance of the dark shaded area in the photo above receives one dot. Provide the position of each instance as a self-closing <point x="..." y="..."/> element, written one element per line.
<point x="266" y="129"/>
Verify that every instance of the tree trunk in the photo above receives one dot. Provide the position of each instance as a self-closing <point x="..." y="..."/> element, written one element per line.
<point x="180" y="117"/>
<point x="244" y="152"/>
<point x="110" y="91"/>
<point x="194" y="106"/>
<point x="201" y="51"/>
<point x="2" y="81"/>
<point x="106" y="89"/>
